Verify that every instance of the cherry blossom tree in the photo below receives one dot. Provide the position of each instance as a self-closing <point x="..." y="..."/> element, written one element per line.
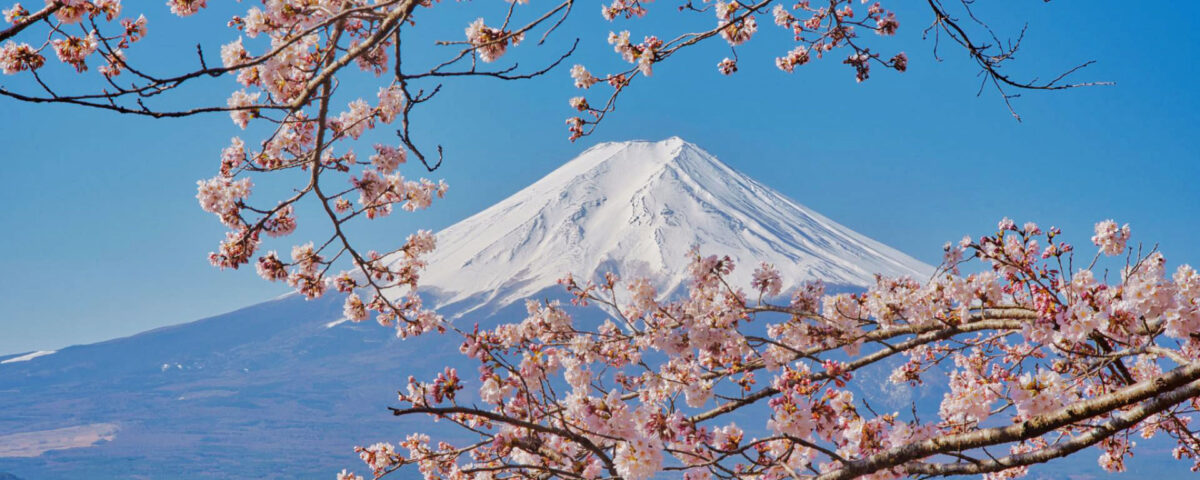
<point x="1044" y="358"/>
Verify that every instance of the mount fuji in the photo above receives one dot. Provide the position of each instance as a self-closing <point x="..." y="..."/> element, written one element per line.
<point x="282" y="389"/>
<point x="637" y="208"/>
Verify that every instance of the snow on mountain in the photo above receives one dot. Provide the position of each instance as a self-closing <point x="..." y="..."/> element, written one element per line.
<point x="636" y="208"/>
<point x="27" y="357"/>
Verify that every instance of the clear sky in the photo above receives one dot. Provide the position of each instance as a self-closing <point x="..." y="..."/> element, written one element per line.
<point x="103" y="237"/>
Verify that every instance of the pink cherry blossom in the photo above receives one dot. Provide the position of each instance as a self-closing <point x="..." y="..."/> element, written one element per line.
<point x="19" y="57"/>
<point x="1110" y="238"/>
<point x="490" y="43"/>
<point x="239" y="101"/>
<point x="583" y="78"/>
<point x="185" y="8"/>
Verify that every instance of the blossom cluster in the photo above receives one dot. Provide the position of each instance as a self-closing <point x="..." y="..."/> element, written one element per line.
<point x="491" y="43"/>
<point x="817" y="29"/>
<point x="69" y="48"/>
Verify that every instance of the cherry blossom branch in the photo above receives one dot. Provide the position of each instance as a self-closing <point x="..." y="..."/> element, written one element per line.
<point x="1176" y="386"/>
<point x="1017" y="353"/>
<point x="24" y="22"/>
<point x="1095" y="435"/>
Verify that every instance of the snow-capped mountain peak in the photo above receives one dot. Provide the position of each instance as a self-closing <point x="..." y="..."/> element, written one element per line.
<point x="636" y="208"/>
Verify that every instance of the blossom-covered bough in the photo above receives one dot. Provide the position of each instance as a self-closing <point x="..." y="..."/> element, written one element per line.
<point x="289" y="63"/>
<point x="1045" y="358"/>
<point x="290" y="66"/>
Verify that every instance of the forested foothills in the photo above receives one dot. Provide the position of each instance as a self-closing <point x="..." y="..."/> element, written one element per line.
<point x="1038" y="348"/>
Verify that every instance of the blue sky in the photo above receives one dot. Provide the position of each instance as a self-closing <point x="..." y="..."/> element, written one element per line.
<point x="103" y="237"/>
